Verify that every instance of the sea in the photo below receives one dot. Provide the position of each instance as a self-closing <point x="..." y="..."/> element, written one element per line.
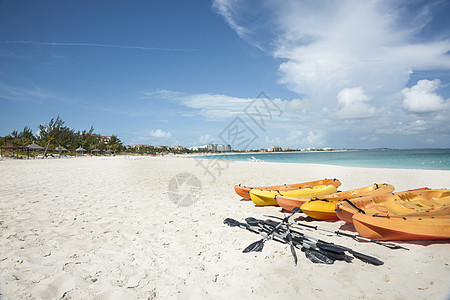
<point x="427" y="159"/>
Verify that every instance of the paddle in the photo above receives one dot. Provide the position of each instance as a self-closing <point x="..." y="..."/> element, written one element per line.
<point x="322" y="253"/>
<point x="291" y="244"/>
<point x="234" y="223"/>
<point x="338" y="248"/>
<point x="259" y="245"/>
<point x="314" y="255"/>
<point x="354" y="236"/>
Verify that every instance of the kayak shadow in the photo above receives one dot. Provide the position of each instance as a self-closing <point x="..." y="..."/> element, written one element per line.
<point x="424" y="242"/>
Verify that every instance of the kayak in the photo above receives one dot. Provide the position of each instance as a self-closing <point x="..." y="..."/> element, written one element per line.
<point x="243" y="191"/>
<point x="288" y="203"/>
<point x="391" y="228"/>
<point x="416" y="201"/>
<point x="267" y="197"/>
<point x="324" y="208"/>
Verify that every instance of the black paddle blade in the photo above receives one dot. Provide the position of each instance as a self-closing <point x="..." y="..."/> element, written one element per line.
<point x="231" y="222"/>
<point x="252" y="221"/>
<point x="254" y="247"/>
<point x="336" y="256"/>
<point x="367" y="258"/>
<point x="271" y="223"/>
<point x="296" y="210"/>
<point x="331" y="248"/>
<point x="317" y="257"/>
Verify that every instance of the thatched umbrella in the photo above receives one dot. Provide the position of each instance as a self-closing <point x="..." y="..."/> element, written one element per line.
<point x="34" y="147"/>
<point x="62" y="150"/>
<point x="95" y="150"/>
<point x="80" y="149"/>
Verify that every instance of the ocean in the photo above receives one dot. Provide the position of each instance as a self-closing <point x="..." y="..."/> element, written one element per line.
<point x="427" y="159"/>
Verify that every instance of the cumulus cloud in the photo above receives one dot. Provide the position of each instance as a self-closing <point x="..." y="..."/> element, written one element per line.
<point x="422" y="97"/>
<point x="352" y="104"/>
<point x="214" y="107"/>
<point x="350" y="59"/>
<point x="160" y="133"/>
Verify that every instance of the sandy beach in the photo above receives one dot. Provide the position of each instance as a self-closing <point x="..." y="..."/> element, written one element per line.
<point x="115" y="228"/>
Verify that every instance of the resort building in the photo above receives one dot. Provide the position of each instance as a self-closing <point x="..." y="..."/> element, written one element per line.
<point x="212" y="148"/>
<point x="105" y="139"/>
<point x="179" y="148"/>
<point x="274" y="149"/>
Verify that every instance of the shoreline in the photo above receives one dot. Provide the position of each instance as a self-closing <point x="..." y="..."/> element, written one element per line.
<point x="109" y="228"/>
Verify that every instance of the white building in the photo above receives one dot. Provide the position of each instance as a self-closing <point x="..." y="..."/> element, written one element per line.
<point x="274" y="149"/>
<point x="212" y="148"/>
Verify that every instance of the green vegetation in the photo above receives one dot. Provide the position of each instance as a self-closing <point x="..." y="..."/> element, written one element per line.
<point x="56" y="134"/>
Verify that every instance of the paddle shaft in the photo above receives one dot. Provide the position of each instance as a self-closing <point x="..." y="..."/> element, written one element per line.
<point x="354" y="236"/>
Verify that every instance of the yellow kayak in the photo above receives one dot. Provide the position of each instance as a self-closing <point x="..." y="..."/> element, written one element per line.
<point x="323" y="207"/>
<point x="267" y="197"/>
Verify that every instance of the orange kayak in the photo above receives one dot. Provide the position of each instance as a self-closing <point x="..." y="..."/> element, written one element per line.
<point x="243" y="191"/>
<point x="391" y="228"/>
<point x="400" y="203"/>
<point x="288" y="203"/>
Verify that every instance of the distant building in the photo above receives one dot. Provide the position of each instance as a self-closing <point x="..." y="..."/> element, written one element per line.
<point x="212" y="148"/>
<point x="141" y="146"/>
<point x="179" y="148"/>
<point x="274" y="149"/>
<point x="105" y="139"/>
<point x="223" y="148"/>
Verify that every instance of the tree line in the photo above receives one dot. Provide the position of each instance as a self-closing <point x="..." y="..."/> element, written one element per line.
<point x="56" y="134"/>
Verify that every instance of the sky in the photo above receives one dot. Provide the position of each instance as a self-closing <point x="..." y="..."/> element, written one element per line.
<point x="293" y="73"/>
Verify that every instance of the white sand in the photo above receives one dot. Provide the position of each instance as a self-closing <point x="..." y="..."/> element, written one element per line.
<point x="104" y="228"/>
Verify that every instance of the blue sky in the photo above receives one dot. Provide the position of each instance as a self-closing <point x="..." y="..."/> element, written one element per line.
<point x="340" y="74"/>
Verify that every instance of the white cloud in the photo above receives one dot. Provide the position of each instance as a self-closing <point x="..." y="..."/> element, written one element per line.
<point x="272" y="141"/>
<point x="295" y="136"/>
<point x="214" y="107"/>
<point x="24" y="94"/>
<point x="225" y="8"/>
<point x="298" y="105"/>
<point x="205" y="139"/>
<point x="351" y="60"/>
<point x="160" y="133"/>
<point x="422" y="97"/>
<point x="352" y="104"/>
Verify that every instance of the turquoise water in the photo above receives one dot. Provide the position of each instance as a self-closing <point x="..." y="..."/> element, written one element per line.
<point x="428" y="159"/>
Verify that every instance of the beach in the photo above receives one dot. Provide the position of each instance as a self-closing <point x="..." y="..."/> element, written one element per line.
<point x="118" y="228"/>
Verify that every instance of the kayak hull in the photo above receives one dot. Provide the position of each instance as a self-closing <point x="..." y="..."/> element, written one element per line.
<point x="383" y="228"/>
<point x="267" y="197"/>
<point x="396" y="203"/>
<point x="288" y="203"/>
<point x="244" y="191"/>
